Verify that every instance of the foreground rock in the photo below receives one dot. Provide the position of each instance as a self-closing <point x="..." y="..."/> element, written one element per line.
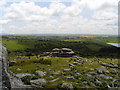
<point x="8" y="80"/>
<point x="38" y="82"/>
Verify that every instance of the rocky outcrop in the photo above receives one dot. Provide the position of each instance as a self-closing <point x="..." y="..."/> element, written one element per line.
<point x="63" y="52"/>
<point x="4" y="75"/>
<point x="8" y="81"/>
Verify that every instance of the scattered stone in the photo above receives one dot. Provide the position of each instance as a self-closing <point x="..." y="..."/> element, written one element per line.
<point x="51" y="77"/>
<point x="38" y="55"/>
<point x="78" y="73"/>
<point x="21" y="75"/>
<point x="41" y="73"/>
<point x="85" y="82"/>
<point x="67" y="85"/>
<point x="80" y="63"/>
<point x="57" y="72"/>
<point x="54" y="80"/>
<point x="68" y="69"/>
<point x="101" y="70"/>
<point x="75" y="63"/>
<point x="86" y="67"/>
<point x="75" y="60"/>
<point x="70" y="64"/>
<point x="91" y="69"/>
<point x="18" y="69"/>
<point x="106" y="71"/>
<point x="92" y="84"/>
<point x="89" y="75"/>
<point x="69" y="77"/>
<point x="92" y="73"/>
<point x="110" y="65"/>
<point x="38" y="82"/>
<point x="11" y="62"/>
<point x="104" y="76"/>
<point x="98" y="81"/>
<point x="75" y="56"/>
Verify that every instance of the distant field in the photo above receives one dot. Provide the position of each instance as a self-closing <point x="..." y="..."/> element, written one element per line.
<point x="96" y="39"/>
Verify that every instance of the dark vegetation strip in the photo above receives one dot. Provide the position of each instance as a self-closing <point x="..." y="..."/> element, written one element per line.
<point x="86" y="47"/>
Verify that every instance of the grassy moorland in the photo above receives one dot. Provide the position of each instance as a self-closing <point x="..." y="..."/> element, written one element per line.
<point x="35" y="45"/>
<point x="83" y="71"/>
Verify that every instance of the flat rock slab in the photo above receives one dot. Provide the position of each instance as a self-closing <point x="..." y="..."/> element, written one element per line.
<point x="68" y="69"/>
<point x="54" y="80"/>
<point x="69" y="77"/>
<point x="57" y="72"/>
<point x="41" y="73"/>
<point x="21" y="75"/>
<point x="38" y="82"/>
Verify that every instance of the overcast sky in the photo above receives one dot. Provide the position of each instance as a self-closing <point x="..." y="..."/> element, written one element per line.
<point x="59" y="17"/>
